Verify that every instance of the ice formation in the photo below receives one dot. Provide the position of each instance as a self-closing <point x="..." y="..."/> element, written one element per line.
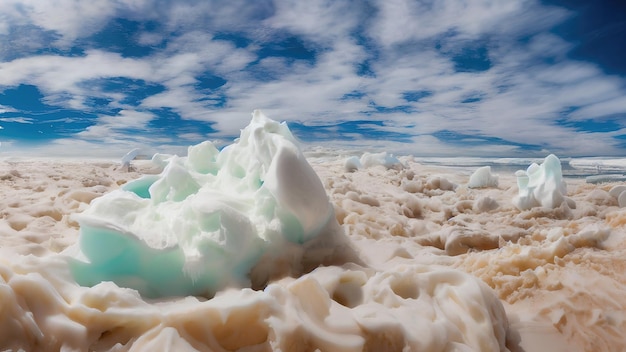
<point x="618" y="192"/>
<point x="483" y="178"/>
<point x="130" y="156"/>
<point x="373" y="159"/>
<point x="208" y="219"/>
<point x="541" y="185"/>
<point x="605" y="178"/>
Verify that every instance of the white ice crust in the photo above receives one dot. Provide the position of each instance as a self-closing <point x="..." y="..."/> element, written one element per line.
<point x="541" y="185"/>
<point x="207" y="219"/>
<point x="483" y="178"/>
<point x="373" y="159"/>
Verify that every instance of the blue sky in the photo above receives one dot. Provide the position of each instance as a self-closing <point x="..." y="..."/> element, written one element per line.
<point x="428" y="78"/>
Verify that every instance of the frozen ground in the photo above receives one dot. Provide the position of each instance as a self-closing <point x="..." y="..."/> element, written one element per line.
<point x="439" y="266"/>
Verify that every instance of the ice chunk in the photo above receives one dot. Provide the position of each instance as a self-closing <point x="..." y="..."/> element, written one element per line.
<point x="541" y="185"/>
<point x="352" y="164"/>
<point x="618" y="192"/>
<point x="383" y="158"/>
<point x="373" y="159"/>
<point x="130" y="156"/>
<point x="207" y="219"/>
<point x="621" y="200"/>
<point x="482" y="178"/>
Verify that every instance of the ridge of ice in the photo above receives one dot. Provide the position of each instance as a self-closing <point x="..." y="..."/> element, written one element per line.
<point x="207" y="219"/>
<point x="130" y="156"/>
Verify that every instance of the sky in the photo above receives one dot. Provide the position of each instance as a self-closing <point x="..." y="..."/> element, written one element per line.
<point x="489" y="78"/>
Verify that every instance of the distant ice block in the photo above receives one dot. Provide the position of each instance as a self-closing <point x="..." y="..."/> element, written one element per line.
<point x="541" y="185"/>
<point x="130" y="156"/>
<point x="373" y="159"/>
<point x="208" y="219"/>
<point x="605" y="178"/>
<point x="483" y="178"/>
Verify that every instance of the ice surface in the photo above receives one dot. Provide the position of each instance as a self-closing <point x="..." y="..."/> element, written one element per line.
<point x="482" y="178"/>
<point x="541" y="185"/>
<point x="207" y="219"/>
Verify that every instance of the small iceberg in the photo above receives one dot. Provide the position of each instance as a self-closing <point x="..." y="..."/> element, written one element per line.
<point x="541" y="185"/>
<point x="208" y="219"/>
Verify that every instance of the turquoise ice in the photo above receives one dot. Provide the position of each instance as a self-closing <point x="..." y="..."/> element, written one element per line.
<point x="207" y="219"/>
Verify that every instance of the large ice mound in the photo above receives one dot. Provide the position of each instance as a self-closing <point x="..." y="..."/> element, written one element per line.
<point x="368" y="160"/>
<point x="208" y="219"/>
<point x="541" y="185"/>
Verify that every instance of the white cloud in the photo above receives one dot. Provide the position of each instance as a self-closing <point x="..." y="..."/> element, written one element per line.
<point x="319" y="21"/>
<point x="62" y="74"/>
<point x="529" y="84"/>
<point x="405" y="20"/>
<point x="111" y="128"/>
<point x="602" y="109"/>
<point x="5" y="109"/>
<point x="70" y="19"/>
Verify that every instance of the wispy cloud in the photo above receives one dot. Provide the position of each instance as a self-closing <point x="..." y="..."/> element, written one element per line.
<point x="17" y="119"/>
<point x="424" y="73"/>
